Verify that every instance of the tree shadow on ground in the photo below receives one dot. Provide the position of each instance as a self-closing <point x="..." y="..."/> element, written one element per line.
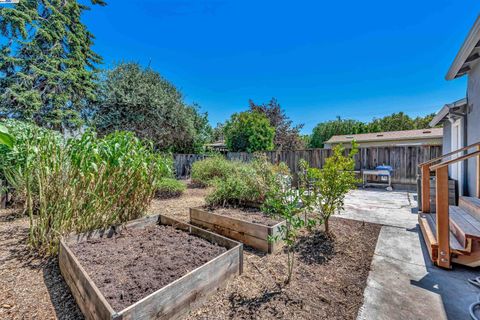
<point x="315" y="248"/>
<point x="62" y="300"/>
<point x="250" y="306"/>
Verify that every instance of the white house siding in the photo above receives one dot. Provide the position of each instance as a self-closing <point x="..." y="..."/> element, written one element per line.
<point x="473" y="122"/>
<point x="447" y="137"/>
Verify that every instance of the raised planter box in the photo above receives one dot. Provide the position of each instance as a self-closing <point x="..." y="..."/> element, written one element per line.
<point x="170" y="302"/>
<point x="252" y="234"/>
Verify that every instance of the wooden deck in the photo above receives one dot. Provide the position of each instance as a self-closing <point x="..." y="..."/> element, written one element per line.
<point x="464" y="235"/>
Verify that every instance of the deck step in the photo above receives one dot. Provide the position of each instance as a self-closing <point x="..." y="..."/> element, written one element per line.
<point x="470" y="204"/>
<point x="455" y="245"/>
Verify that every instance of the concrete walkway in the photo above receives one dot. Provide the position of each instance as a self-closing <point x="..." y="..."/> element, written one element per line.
<point x="403" y="283"/>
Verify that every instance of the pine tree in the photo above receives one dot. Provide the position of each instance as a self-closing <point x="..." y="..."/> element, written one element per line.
<point x="47" y="65"/>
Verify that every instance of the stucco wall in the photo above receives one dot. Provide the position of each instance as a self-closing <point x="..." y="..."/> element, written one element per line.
<point x="473" y="123"/>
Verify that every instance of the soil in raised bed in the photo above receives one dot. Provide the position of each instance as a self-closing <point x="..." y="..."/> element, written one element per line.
<point x="248" y="214"/>
<point x="138" y="262"/>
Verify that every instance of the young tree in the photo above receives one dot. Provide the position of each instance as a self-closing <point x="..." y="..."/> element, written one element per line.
<point x="287" y="136"/>
<point x="47" y="66"/>
<point x="334" y="181"/>
<point x="250" y="132"/>
<point x="141" y="100"/>
<point x="285" y="204"/>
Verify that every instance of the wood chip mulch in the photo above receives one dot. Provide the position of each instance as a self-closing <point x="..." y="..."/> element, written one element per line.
<point x="328" y="282"/>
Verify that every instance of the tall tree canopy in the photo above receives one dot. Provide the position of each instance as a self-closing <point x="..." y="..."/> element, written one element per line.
<point x="394" y="122"/>
<point x="249" y="131"/>
<point x="140" y="100"/>
<point x="325" y="130"/>
<point x="287" y="136"/>
<point x="47" y="65"/>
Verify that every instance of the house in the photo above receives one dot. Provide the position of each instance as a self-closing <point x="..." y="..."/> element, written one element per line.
<point x="463" y="125"/>
<point x="217" y="146"/>
<point x="431" y="136"/>
<point x="451" y="231"/>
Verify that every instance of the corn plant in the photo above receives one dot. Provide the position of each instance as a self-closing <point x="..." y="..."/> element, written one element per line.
<point x="5" y="138"/>
<point x="85" y="183"/>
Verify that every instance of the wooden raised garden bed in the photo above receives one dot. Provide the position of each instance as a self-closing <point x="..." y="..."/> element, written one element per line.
<point x="250" y="233"/>
<point x="168" y="302"/>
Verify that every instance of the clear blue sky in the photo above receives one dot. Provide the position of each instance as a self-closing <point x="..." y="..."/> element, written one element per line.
<point x="320" y="59"/>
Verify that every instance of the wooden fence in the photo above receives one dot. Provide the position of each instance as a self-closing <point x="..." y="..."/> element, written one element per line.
<point x="404" y="160"/>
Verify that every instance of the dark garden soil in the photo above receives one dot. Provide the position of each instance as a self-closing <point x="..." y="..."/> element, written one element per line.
<point x="253" y="215"/>
<point x="138" y="262"/>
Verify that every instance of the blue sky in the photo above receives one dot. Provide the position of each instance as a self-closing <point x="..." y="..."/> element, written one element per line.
<point x="320" y="59"/>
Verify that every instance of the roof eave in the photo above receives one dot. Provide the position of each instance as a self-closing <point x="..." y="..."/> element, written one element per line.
<point x="439" y="116"/>
<point x="460" y="65"/>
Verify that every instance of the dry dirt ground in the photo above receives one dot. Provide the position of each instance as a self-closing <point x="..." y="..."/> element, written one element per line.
<point x="328" y="281"/>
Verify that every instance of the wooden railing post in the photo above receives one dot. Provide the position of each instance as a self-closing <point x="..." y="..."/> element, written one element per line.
<point x="426" y="188"/>
<point x="478" y="173"/>
<point x="443" y="227"/>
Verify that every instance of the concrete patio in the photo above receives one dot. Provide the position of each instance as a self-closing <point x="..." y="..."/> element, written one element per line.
<point x="403" y="283"/>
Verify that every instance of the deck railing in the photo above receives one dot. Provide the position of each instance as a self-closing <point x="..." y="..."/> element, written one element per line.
<point x="425" y="173"/>
<point x="441" y="197"/>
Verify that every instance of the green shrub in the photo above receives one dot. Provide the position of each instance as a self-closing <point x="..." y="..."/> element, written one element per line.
<point x="246" y="182"/>
<point x="238" y="188"/>
<point x="169" y="188"/>
<point x="205" y="171"/>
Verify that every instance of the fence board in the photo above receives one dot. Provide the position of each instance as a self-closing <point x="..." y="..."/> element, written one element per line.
<point x="403" y="159"/>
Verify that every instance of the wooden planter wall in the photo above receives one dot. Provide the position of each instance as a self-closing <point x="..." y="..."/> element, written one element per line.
<point x="251" y="234"/>
<point x="170" y="302"/>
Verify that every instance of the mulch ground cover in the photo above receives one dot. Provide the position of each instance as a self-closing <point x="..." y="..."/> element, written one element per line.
<point x="137" y="262"/>
<point x="328" y="281"/>
<point x="248" y="214"/>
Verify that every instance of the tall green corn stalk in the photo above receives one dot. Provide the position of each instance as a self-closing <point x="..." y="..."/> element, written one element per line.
<point x="85" y="183"/>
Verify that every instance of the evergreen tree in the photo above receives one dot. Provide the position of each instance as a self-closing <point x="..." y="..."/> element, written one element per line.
<point x="47" y="66"/>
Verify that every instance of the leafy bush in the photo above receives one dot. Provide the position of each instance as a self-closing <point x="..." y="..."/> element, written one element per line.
<point x="246" y="182"/>
<point x="205" y="171"/>
<point x="238" y="188"/>
<point x="169" y="188"/>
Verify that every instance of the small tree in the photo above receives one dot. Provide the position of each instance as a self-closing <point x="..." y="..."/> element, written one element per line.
<point x="334" y="181"/>
<point x="285" y="204"/>
<point x="306" y="188"/>
<point x="250" y="132"/>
